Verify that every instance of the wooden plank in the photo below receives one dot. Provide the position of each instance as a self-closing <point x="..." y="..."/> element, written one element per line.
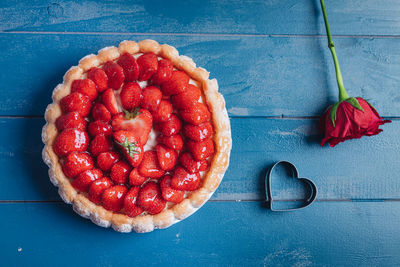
<point x="366" y="17"/>
<point x="358" y="169"/>
<point x="259" y="76"/>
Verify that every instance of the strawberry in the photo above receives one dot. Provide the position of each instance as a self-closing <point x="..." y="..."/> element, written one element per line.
<point x="196" y="115"/>
<point x="99" y="127"/>
<point x="163" y="112"/>
<point x="130" y="206"/>
<point x="151" y="98"/>
<point x="191" y="165"/>
<point x="70" y="140"/>
<point x="100" y="113"/>
<point x="84" y="179"/>
<point x="105" y="160"/>
<point x="163" y="73"/>
<point x="99" y="77"/>
<point x="198" y="132"/>
<point x="147" y="66"/>
<point x="85" y="87"/>
<point x="176" y="84"/>
<point x="168" y="193"/>
<point x="115" y="74"/>
<point x="113" y="197"/>
<point x="201" y="150"/>
<point x="99" y="144"/>
<point x="97" y="188"/>
<point x="150" y="166"/>
<point x="175" y="141"/>
<point x="135" y="178"/>
<point x="77" y="162"/>
<point x="110" y="102"/>
<point x="166" y="157"/>
<point x="188" y="98"/>
<point x="71" y="120"/>
<point x="119" y="172"/>
<point x="150" y="198"/>
<point x="170" y="127"/>
<point x="130" y="95"/>
<point x="130" y="66"/>
<point x="131" y="148"/>
<point x="76" y="102"/>
<point x="183" y="180"/>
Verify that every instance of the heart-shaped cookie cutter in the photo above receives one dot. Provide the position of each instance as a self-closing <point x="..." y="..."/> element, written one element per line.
<point x="295" y="174"/>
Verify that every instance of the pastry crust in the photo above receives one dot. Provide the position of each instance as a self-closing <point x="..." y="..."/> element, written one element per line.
<point x="170" y="215"/>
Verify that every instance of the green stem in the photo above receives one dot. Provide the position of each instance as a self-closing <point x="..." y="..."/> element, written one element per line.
<point x="342" y="91"/>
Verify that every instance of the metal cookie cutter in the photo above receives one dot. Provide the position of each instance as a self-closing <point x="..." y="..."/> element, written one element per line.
<point x="295" y="174"/>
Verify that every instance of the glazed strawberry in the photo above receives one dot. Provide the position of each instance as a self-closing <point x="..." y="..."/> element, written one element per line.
<point x="167" y="157"/>
<point x="147" y="66"/>
<point x="183" y="180"/>
<point x="70" y="140"/>
<point x="71" y="120"/>
<point x="150" y="166"/>
<point x="171" y="127"/>
<point x="130" y="67"/>
<point x="175" y="141"/>
<point x="163" y="112"/>
<point x="151" y="98"/>
<point x="85" y="87"/>
<point x="110" y="102"/>
<point x="99" y="144"/>
<point x="163" y="73"/>
<point x="99" y="77"/>
<point x="130" y="95"/>
<point x="115" y="74"/>
<point x="105" y="160"/>
<point x="100" y="113"/>
<point x="97" y="188"/>
<point x="150" y="198"/>
<point x="113" y="197"/>
<point x="99" y="127"/>
<point x="119" y="172"/>
<point x="188" y="98"/>
<point x="84" y="179"/>
<point x="76" y="102"/>
<point x="198" y="132"/>
<point x="196" y="115"/>
<point x="77" y="162"/>
<point x="192" y="165"/>
<point x="130" y="147"/>
<point x="201" y="150"/>
<point x="169" y="193"/>
<point x="176" y="84"/>
<point x="135" y="178"/>
<point x="130" y="206"/>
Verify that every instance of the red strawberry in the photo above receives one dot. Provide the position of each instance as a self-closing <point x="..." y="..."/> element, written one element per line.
<point x="168" y="193"/>
<point x="135" y="178"/>
<point x="131" y="148"/>
<point x="84" y="179"/>
<point x="115" y="74"/>
<point x="150" y="166"/>
<point x="171" y="127"/>
<point x="166" y="157"/>
<point x="130" y="95"/>
<point x="99" y="77"/>
<point x="196" y="115"/>
<point x="175" y="141"/>
<point x="76" y="102"/>
<point x="163" y="113"/>
<point x="183" y="180"/>
<point x="110" y="102"/>
<point x="198" y="132"/>
<point x="163" y="73"/>
<point x="71" y="120"/>
<point x="113" y="197"/>
<point x="150" y="198"/>
<point x="100" y="113"/>
<point x="130" y="207"/>
<point x="119" y="172"/>
<point x="85" y="87"/>
<point x="147" y="66"/>
<point x="77" y="162"/>
<point x="99" y="144"/>
<point x="151" y="98"/>
<point x="191" y="165"/>
<point x="70" y="140"/>
<point x="99" y="127"/>
<point x="201" y="150"/>
<point x="188" y="98"/>
<point x="176" y="84"/>
<point x="130" y="66"/>
<point x="105" y="160"/>
<point x="97" y="188"/>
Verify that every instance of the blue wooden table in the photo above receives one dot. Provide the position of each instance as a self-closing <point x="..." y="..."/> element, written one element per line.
<point x="275" y="71"/>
